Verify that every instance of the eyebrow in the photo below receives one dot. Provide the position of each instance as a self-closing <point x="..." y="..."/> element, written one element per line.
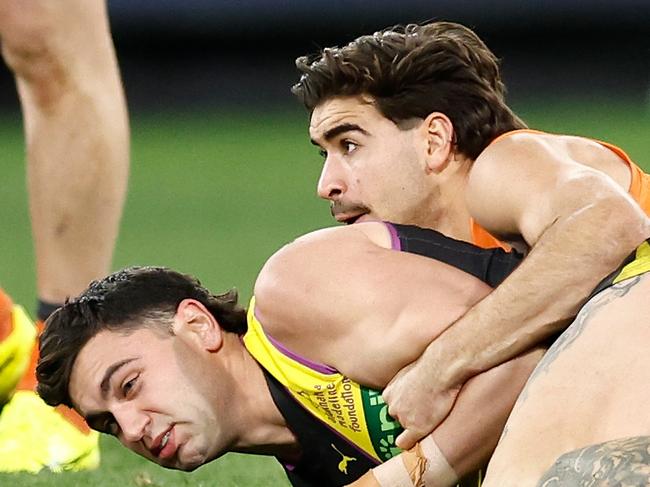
<point x="341" y="129"/>
<point x="105" y="384"/>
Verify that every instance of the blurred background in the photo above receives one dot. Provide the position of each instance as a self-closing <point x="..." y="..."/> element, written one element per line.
<point x="184" y="54"/>
<point x="222" y="169"/>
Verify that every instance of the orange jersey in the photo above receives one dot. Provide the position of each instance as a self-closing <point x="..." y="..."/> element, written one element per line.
<point x="639" y="191"/>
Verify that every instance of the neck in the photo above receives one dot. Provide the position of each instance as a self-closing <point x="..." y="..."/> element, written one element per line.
<point x="262" y="428"/>
<point x="451" y="215"/>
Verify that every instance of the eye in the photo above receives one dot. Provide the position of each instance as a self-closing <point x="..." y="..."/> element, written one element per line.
<point x="348" y="146"/>
<point x="129" y="386"/>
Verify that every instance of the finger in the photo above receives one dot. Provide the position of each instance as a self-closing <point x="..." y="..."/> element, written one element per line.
<point x="407" y="439"/>
<point x="391" y="407"/>
<point x="386" y="395"/>
<point x="394" y="411"/>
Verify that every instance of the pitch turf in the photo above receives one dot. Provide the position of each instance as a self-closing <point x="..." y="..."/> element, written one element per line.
<point x="214" y="194"/>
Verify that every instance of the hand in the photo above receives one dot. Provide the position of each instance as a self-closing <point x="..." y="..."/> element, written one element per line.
<point x="420" y="399"/>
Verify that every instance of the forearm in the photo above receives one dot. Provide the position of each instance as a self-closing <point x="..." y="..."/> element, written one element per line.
<point x="464" y="441"/>
<point x="545" y="292"/>
<point x="468" y="435"/>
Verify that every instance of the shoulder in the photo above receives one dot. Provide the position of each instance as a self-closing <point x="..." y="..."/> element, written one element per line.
<point x="541" y="151"/>
<point x="299" y="279"/>
<point x="327" y="242"/>
<point x="516" y="152"/>
<point x="505" y="177"/>
<point x="517" y="183"/>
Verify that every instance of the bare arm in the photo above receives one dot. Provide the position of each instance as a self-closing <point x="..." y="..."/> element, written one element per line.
<point x="338" y="298"/>
<point x="580" y="226"/>
<point x="481" y="411"/>
<point x="334" y="289"/>
<point x="466" y="439"/>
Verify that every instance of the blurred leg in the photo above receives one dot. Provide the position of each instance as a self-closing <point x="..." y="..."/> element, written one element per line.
<point x="76" y="136"/>
<point x="76" y="131"/>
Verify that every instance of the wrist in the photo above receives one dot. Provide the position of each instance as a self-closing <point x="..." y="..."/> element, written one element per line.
<point x="451" y="364"/>
<point x="422" y="465"/>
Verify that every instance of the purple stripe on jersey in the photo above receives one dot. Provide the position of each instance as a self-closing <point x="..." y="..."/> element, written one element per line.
<point x="321" y="368"/>
<point x="394" y="238"/>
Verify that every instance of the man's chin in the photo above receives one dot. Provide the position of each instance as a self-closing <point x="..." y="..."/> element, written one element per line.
<point x="179" y="461"/>
<point x="366" y="218"/>
<point x="185" y="466"/>
<point x="189" y="467"/>
<point x="189" y="459"/>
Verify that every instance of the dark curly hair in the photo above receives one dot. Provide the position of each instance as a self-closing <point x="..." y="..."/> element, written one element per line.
<point x="125" y="301"/>
<point x="412" y="71"/>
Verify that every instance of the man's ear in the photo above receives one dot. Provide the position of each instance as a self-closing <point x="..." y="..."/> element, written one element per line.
<point x="194" y="321"/>
<point x="438" y="132"/>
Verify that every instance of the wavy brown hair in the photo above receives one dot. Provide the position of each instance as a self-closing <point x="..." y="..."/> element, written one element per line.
<point x="123" y="302"/>
<point x="412" y="71"/>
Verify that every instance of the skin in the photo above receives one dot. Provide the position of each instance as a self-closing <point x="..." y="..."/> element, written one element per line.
<point x="203" y="383"/>
<point x="601" y="403"/>
<point x="343" y="132"/>
<point x="76" y="138"/>
<point x="584" y="187"/>
<point x="179" y="382"/>
<point x="75" y="121"/>
<point x="395" y="304"/>
<point x="621" y="462"/>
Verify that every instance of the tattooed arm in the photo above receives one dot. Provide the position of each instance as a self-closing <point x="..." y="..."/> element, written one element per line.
<point x="567" y="338"/>
<point x="621" y="462"/>
<point x="584" y="391"/>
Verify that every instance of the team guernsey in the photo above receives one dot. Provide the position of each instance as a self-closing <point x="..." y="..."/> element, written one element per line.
<point x="637" y="263"/>
<point x="343" y="427"/>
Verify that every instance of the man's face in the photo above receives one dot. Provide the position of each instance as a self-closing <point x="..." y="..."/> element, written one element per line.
<point x="153" y="392"/>
<point x="373" y="169"/>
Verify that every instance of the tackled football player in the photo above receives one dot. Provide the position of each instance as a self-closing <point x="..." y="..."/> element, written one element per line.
<point x="150" y="356"/>
<point x="414" y="128"/>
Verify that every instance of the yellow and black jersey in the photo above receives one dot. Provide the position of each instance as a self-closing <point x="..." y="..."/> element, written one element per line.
<point x="637" y="263"/>
<point x="343" y="427"/>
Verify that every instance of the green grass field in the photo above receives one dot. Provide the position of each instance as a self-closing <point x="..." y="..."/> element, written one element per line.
<point x="214" y="194"/>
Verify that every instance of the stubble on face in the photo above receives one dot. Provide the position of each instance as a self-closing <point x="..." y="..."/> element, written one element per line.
<point x="171" y="393"/>
<point x="384" y="179"/>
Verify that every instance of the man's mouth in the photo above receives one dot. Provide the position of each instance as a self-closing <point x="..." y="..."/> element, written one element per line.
<point x="348" y="213"/>
<point x="163" y="447"/>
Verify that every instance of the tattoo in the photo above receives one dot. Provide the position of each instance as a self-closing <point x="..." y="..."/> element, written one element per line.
<point x="622" y="463"/>
<point x="576" y="328"/>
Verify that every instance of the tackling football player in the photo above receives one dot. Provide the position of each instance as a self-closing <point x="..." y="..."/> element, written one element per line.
<point x="414" y="128"/>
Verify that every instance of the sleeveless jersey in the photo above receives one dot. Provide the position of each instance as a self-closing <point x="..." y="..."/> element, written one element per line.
<point x="637" y="263"/>
<point x="343" y="427"/>
<point x="639" y="190"/>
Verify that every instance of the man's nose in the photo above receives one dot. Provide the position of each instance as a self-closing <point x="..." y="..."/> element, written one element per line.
<point x="331" y="184"/>
<point x="132" y="423"/>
